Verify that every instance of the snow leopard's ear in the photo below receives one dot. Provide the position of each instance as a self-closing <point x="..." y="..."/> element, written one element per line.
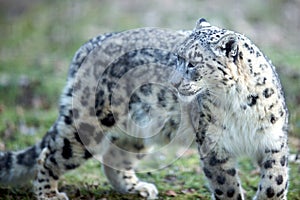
<point x="201" y="23"/>
<point x="226" y="46"/>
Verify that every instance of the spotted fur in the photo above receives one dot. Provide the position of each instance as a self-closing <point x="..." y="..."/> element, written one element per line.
<point x="128" y="90"/>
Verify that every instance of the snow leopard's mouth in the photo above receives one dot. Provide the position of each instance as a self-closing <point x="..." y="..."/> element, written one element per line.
<point x="186" y="87"/>
<point x="183" y="80"/>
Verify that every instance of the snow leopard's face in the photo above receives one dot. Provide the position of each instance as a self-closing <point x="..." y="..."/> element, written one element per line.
<point x="204" y="59"/>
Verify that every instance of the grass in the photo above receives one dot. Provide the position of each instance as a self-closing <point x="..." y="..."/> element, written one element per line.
<point x="87" y="182"/>
<point x="35" y="49"/>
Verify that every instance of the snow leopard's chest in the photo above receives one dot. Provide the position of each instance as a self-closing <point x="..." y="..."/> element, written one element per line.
<point x="237" y="123"/>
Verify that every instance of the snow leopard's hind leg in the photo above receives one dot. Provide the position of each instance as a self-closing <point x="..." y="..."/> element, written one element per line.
<point x="45" y="183"/>
<point x="62" y="152"/>
<point x="118" y="166"/>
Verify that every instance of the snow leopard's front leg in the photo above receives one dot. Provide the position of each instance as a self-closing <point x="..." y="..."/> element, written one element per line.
<point x="126" y="181"/>
<point x="118" y="166"/>
<point x="222" y="177"/>
<point x="274" y="174"/>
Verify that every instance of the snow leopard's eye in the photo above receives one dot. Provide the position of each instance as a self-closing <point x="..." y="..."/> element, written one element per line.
<point x="189" y="65"/>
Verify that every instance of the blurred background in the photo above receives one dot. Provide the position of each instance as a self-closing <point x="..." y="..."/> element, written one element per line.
<point x="39" y="38"/>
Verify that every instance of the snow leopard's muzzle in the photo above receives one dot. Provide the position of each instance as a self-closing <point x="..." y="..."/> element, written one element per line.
<point x="186" y="78"/>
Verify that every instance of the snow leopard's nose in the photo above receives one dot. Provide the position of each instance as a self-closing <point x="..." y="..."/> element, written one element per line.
<point x="176" y="79"/>
<point x="177" y="76"/>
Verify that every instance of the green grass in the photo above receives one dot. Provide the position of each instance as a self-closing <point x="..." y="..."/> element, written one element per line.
<point x="36" y="48"/>
<point x="182" y="180"/>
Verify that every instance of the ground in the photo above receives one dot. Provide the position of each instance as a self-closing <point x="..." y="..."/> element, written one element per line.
<point x="38" y="39"/>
